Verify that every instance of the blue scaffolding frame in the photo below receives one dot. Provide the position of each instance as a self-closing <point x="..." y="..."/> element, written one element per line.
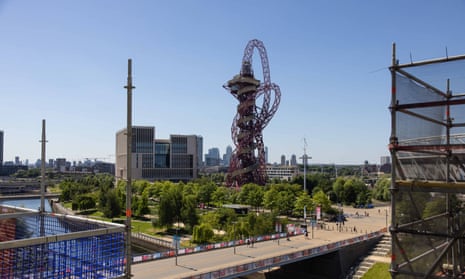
<point x="45" y="245"/>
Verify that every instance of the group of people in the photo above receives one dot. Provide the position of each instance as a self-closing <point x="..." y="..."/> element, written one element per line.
<point x="249" y="242"/>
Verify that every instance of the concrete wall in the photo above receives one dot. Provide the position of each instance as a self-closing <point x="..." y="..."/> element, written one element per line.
<point x="332" y="265"/>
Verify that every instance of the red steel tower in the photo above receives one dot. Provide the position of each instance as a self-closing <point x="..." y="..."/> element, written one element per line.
<point x="248" y="163"/>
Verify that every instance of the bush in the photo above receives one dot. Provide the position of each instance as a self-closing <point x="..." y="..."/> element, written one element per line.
<point x="86" y="202"/>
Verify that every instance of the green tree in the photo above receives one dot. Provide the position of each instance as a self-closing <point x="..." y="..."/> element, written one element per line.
<point x="174" y="206"/>
<point x="321" y="199"/>
<point x="279" y="198"/>
<point x="270" y="199"/>
<point x="260" y="224"/>
<point x="255" y="197"/>
<point x="205" y="193"/>
<point x="338" y="189"/>
<point x="303" y="201"/>
<point x="220" y="196"/>
<point x="143" y="205"/>
<point x="139" y="186"/>
<point x="352" y="188"/>
<point x="86" y="201"/>
<point x="285" y="202"/>
<point x="245" y="191"/>
<point x="202" y="233"/>
<point x="321" y="180"/>
<point x="169" y="210"/>
<point x="112" y="206"/>
<point x="188" y="211"/>
<point x="381" y="190"/>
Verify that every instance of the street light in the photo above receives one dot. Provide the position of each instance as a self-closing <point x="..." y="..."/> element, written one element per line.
<point x="304" y="158"/>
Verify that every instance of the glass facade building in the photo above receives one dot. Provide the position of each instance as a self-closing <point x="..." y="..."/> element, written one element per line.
<point x="174" y="159"/>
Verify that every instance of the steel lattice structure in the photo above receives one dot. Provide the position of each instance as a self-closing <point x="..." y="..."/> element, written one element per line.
<point x="48" y="245"/>
<point x="427" y="146"/>
<point x="248" y="162"/>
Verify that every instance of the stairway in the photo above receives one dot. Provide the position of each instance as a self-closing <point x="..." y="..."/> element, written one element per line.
<point x="380" y="253"/>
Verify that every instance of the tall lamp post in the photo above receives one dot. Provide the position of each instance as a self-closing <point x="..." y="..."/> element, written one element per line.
<point x="304" y="158"/>
<point x="234" y="237"/>
<point x="129" y="88"/>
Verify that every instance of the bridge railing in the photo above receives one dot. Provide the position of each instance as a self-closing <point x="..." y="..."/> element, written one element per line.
<point x="209" y="247"/>
<point x="220" y="245"/>
<point x="296" y="230"/>
<point x="244" y="269"/>
<point x="156" y="241"/>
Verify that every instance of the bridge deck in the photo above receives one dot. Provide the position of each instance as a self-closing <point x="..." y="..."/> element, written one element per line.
<point x="196" y="264"/>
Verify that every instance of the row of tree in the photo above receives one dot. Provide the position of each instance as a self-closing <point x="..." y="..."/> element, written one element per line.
<point x="181" y="203"/>
<point x="98" y="191"/>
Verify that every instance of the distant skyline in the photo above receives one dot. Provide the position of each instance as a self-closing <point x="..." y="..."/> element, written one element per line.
<point x="66" y="62"/>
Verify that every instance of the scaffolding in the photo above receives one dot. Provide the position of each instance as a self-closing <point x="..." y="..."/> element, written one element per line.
<point x="46" y="245"/>
<point x="427" y="146"/>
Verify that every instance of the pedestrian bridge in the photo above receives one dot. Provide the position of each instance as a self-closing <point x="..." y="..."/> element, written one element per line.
<point x="236" y="261"/>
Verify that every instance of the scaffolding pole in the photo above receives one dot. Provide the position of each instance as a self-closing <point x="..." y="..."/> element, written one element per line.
<point x="393" y="142"/>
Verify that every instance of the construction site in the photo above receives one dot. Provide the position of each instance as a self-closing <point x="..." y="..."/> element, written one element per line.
<point x="427" y="145"/>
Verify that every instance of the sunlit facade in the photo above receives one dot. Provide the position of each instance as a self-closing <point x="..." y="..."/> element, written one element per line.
<point x="176" y="158"/>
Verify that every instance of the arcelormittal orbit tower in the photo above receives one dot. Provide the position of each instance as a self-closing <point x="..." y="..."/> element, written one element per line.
<point x="248" y="163"/>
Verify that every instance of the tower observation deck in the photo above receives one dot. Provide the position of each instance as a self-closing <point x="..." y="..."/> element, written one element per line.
<point x="247" y="163"/>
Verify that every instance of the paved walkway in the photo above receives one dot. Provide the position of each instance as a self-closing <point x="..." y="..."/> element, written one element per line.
<point x="364" y="221"/>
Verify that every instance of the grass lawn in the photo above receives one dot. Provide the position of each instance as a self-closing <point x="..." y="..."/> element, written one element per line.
<point x="378" y="271"/>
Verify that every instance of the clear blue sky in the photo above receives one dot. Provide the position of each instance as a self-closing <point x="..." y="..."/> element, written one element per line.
<point x="66" y="62"/>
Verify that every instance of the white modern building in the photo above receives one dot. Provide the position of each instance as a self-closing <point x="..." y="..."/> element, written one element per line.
<point x="282" y="172"/>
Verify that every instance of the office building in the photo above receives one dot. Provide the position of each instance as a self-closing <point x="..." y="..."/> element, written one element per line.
<point x="227" y="156"/>
<point x="176" y="158"/>
<point x="212" y="158"/>
<point x="293" y="160"/>
<point x="60" y="164"/>
<point x="385" y="160"/>
<point x="266" y="154"/>
<point x="281" y="172"/>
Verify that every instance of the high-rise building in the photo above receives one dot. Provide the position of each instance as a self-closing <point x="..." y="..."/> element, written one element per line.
<point x="283" y="160"/>
<point x="266" y="154"/>
<point x="293" y="160"/>
<point x="1" y="148"/>
<point x="227" y="156"/>
<point x="158" y="159"/>
<point x="212" y="158"/>
<point x="385" y="160"/>
<point x="60" y="164"/>
<point x="199" y="151"/>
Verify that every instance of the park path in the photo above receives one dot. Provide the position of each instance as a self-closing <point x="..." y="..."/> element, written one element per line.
<point x="363" y="220"/>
